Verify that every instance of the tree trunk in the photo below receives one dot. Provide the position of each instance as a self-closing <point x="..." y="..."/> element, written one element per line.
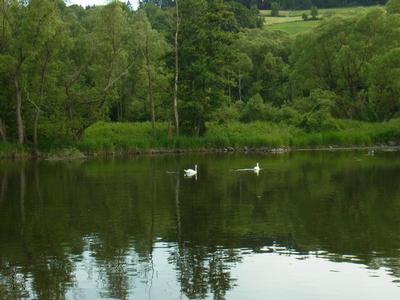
<point x="240" y="87"/>
<point x="229" y="89"/>
<point x="35" y="132"/>
<point x="3" y="133"/>
<point x="150" y="87"/>
<point x="37" y="109"/>
<point x="153" y="112"/>
<point x="176" y="70"/>
<point x="20" y="125"/>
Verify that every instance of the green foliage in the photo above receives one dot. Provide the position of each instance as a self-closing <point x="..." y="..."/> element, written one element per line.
<point x="133" y="137"/>
<point x="275" y="9"/>
<point x="393" y="6"/>
<point x="337" y="56"/>
<point x="257" y="110"/>
<point x="247" y="18"/>
<point x="267" y="74"/>
<point x="83" y="65"/>
<point x="314" y="12"/>
<point x="228" y="113"/>
<point x="384" y="91"/>
<point x="64" y="154"/>
<point x="64" y="68"/>
<point x="8" y="150"/>
<point x="304" y="16"/>
<point x="137" y="136"/>
<point x="352" y="133"/>
<point x="203" y="62"/>
<point x="316" y="111"/>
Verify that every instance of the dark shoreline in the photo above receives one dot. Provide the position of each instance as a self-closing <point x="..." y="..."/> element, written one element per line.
<point x="76" y="154"/>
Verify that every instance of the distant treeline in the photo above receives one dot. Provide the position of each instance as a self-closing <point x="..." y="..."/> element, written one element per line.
<point x="287" y="4"/>
<point x="306" y="4"/>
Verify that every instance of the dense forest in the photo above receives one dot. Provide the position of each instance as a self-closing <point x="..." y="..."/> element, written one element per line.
<point x="64" y="68"/>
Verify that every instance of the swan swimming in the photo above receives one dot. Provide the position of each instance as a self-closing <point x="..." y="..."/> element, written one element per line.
<point x="256" y="169"/>
<point x="191" y="172"/>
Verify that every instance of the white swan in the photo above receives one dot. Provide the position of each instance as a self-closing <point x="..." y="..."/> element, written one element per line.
<point x="191" y="172"/>
<point x="257" y="168"/>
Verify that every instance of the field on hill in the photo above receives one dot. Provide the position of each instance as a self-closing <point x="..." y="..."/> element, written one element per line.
<point x="292" y="21"/>
<point x="295" y="27"/>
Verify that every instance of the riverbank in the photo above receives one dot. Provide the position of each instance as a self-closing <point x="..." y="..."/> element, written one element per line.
<point x="238" y="137"/>
<point x="13" y="151"/>
<point x="109" y="139"/>
<point x="73" y="153"/>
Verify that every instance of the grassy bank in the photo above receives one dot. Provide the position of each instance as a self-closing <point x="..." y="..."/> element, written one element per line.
<point x="104" y="138"/>
<point x="128" y="137"/>
<point x="10" y="150"/>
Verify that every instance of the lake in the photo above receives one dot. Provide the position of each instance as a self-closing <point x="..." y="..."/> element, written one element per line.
<point x="310" y="225"/>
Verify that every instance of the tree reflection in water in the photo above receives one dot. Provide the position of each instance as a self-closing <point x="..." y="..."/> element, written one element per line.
<point x="113" y="221"/>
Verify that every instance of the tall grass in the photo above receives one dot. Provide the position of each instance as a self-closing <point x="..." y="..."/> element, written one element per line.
<point x="131" y="137"/>
<point x="9" y="150"/>
<point x="353" y="133"/>
<point x="127" y="137"/>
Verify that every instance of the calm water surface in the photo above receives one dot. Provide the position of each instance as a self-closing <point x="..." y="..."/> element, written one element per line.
<point x="315" y="225"/>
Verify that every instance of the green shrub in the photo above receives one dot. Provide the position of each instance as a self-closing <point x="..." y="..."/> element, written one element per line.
<point x="393" y="6"/>
<point x="228" y="112"/>
<point x="315" y="111"/>
<point x="314" y="12"/>
<point x="256" y="110"/>
<point x="8" y="150"/>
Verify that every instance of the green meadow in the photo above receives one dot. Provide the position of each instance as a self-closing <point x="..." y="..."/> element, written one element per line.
<point x="292" y="22"/>
<point x="295" y="27"/>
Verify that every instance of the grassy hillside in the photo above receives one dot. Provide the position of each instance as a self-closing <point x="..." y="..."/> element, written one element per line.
<point x="295" y="27"/>
<point x="292" y="21"/>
